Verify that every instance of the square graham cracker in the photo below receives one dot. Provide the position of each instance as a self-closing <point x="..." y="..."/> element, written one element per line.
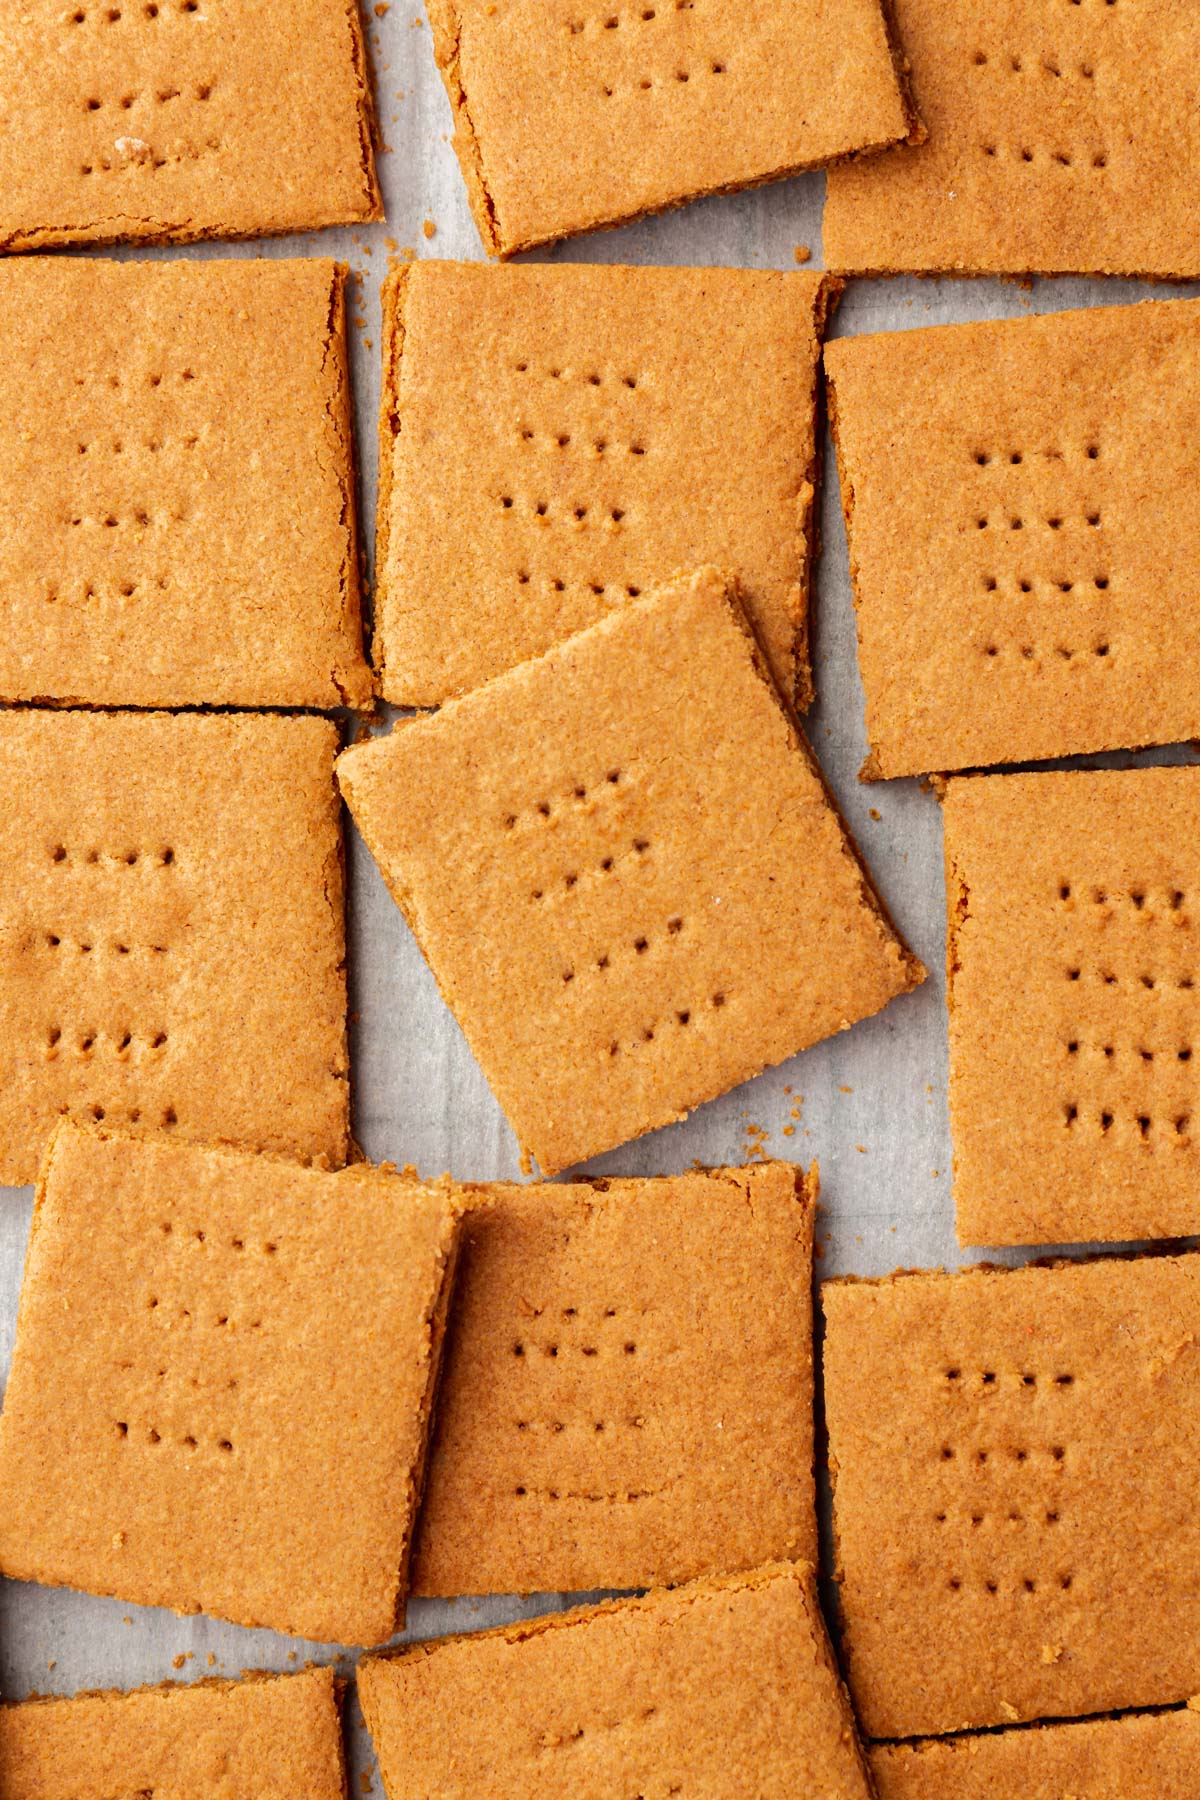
<point x="997" y="479"/>
<point x="172" y="941"/>
<point x="261" y="1738"/>
<point x="1073" y="986"/>
<point x="1062" y="139"/>
<point x="724" y="1688"/>
<point x="572" y="115"/>
<point x="1012" y="1454"/>
<point x="243" y="1333"/>
<point x="172" y="120"/>
<point x="590" y="430"/>
<point x="626" y="873"/>
<point x="603" y="1423"/>
<point x="177" y="495"/>
<point x="1139" y="1756"/>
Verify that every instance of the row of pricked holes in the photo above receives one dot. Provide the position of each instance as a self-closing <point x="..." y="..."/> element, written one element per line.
<point x="647" y="83"/>
<point x="121" y="1042"/>
<point x="154" y="380"/>
<point x="630" y="1495"/>
<point x="188" y="153"/>
<point x="154" y="1436"/>
<point x="520" y="1348"/>
<point x="983" y="458"/>
<point x="1012" y="1517"/>
<point x="1100" y="582"/>
<point x="1060" y="158"/>
<point x="153" y="445"/>
<point x="1101" y="897"/>
<point x="140" y="519"/>
<point x="556" y="1426"/>
<point x="989" y="1379"/>
<point x="85" y="946"/>
<point x="1147" y="981"/>
<point x="579" y="511"/>
<point x="639" y="946"/>
<point x="561" y="440"/>
<point x="1016" y="523"/>
<point x="949" y="1454"/>
<point x="200" y="1236"/>
<point x="1017" y="66"/>
<point x="1072" y="1117"/>
<point x="1147" y="1056"/>
<point x="119" y="858"/>
<point x="153" y="1304"/>
<point x="162" y="97"/>
<point x="991" y="1586"/>
<point x="133" y="1114"/>
<point x="545" y="809"/>
<point x="576" y="27"/>
<point x="112" y="15"/>
<point x="558" y="586"/>
<point x="606" y="866"/>
<point x="593" y="378"/>
<point x="1065" y="652"/>
<point x="122" y="590"/>
<point x="682" y="1018"/>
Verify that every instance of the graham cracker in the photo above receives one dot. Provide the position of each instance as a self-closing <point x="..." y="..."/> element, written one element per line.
<point x="241" y="1330"/>
<point x="172" y="943"/>
<point x="724" y="1688"/>
<point x="1139" y="1756"/>
<point x="603" y="1423"/>
<point x="261" y="1738"/>
<point x="996" y="480"/>
<point x="626" y="873"/>
<point x="177" y="473"/>
<point x="1073" y="983"/>
<point x="1014" y="1529"/>
<point x="172" y="120"/>
<point x="571" y="116"/>
<point x="591" y="429"/>
<point x="1062" y="140"/>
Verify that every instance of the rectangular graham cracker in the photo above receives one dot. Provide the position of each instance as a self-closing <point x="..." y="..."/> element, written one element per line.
<point x="997" y="480"/>
<point x="177" y="485"/>
<point x="628" y="1391"/>
<point x="171" y="120"/>
<point x="172" y="942"/>
<point x="626" y="873"/>
<point x="261" y="1738"/>
<point x="1062" y="139"/>
<point x="1073" y="983"/>
<point x="1139" y="1756"/>
<point x="1015" y="1535"/>
<point x="572" y="115"/>
<point x="724" y="1688"/>
<point x="235" y="1421"/>
<point x="590" y="430"/>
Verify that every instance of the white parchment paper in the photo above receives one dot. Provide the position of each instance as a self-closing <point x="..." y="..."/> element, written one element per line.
<point x="870" y="1104"/>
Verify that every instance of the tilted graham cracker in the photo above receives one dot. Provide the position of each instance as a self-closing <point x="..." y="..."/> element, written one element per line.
<point x="1139" y="1756"/>
<point x="235" y="1419"/>
<point x="261" y="1738"/>
<point x="1063" y="139"/>
<point x="1012" y="1453"/>
<point x="181" y="119"/>
<point x="724" y="1688"/>
<point x="1073" y="981"/>
<point x="628" y="1390"/>
<point x="172" y="943"/>
<point x="997" y="479"/>
<point x="177" y="486"/>
<point x="571" y="115"/>
<point x="590" y="430"/>
<point x="626" y="873"/>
